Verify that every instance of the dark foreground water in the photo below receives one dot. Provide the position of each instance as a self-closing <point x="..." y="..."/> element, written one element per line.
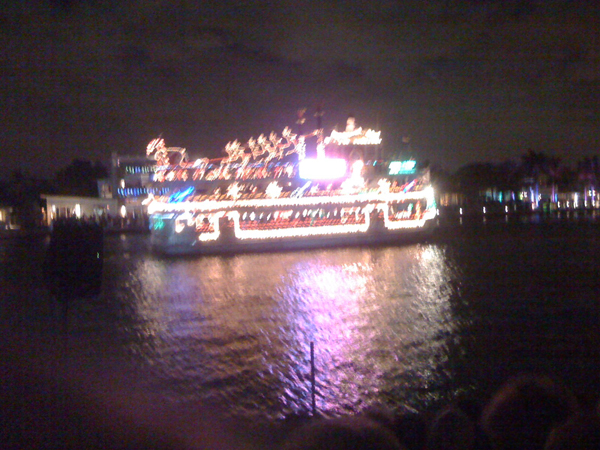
<point x="412" y="326"/>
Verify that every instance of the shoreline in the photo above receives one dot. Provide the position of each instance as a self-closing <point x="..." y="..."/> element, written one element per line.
<point x="447" y="219"/>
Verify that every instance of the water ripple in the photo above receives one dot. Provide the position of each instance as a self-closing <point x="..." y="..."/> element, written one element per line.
<point x="410" y="326"/>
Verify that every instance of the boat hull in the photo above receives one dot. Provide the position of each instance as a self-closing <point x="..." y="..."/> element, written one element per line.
<point x="169" y="243"/>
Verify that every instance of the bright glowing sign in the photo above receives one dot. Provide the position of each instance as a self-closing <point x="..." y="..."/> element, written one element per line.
<point x="322" y="168"/>
<point x="402" y="167"/>
<point x="355" y="137"/>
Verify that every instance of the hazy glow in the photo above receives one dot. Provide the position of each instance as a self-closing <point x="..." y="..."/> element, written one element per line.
<point x="355" y="182"/>
<point x="322" y="168"/>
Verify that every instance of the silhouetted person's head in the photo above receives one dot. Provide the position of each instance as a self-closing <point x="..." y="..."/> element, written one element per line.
<point x="380" y="414"/>
<point x="350" y="433"/>
<point x="451" y="429"/>
<point x="524" y="411"/>
<point x="579" y="433"/>
<point x="411" y="430"/>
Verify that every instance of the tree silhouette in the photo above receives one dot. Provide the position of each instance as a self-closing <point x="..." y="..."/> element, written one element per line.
<point x="588" y="174"/>
<point x="80" y="178"/>
<point x="23" y="193"/>
<point x="541" y="170"/>
<point x="474" y="178"/>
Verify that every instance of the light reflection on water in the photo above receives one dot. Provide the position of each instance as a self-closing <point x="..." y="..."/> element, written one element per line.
<point x="410" y="326"/>
<point x="237" y="329"/>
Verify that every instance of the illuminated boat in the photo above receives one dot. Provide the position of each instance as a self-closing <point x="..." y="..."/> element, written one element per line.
<point x="267" y="195"/>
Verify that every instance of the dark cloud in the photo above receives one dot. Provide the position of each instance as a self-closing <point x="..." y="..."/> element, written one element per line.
<point x="467" y="80"/>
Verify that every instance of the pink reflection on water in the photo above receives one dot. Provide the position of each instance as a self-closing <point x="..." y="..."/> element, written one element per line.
<point x="362" y="316"/>
<point x="239" y="328"/>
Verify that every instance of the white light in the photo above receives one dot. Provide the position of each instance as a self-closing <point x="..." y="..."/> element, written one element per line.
<point x="460" y="211"/>
<point x="350" y="205"/>
<point x="356" y="136"/>
<point x="357" y="167"/>
<point x="273" y="190"/>
<point x="233" y="190"/>
<point x="123" y="211"/>
<point x="311" y="201"/>
<point x="322" y="168"/>
<point x="430" y="196"/>
<point x="78" y="211"/>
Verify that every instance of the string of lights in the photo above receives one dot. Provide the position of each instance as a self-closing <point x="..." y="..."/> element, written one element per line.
<point x="255" y="194"/>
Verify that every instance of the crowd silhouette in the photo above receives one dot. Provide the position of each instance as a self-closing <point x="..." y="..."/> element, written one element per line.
<point x="530" y="412"/>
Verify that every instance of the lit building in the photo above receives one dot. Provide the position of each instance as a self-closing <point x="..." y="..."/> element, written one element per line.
<point x="130" y="183"/>
<point x="6" y="217"/>
<point x="69" y="207"/>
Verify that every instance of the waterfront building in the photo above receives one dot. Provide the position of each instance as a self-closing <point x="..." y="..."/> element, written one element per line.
<point x="100" y="210"/>
<point x="130" y="182"/>
<point x="7" y="221"/>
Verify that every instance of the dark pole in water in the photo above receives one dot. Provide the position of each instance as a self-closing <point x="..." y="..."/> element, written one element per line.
<point x="312" y="377"/>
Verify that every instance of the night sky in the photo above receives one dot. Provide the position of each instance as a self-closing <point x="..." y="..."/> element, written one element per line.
<point x="467" y="81"/>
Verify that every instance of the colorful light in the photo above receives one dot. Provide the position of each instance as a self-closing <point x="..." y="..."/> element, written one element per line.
<point x="332" y="200"/>
<point x="211" y="205"/>
<point x="181" y="196"/>
<point x="402" y="167"/>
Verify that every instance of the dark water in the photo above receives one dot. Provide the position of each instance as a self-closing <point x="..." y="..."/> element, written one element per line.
<point x="412" y="326"/>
